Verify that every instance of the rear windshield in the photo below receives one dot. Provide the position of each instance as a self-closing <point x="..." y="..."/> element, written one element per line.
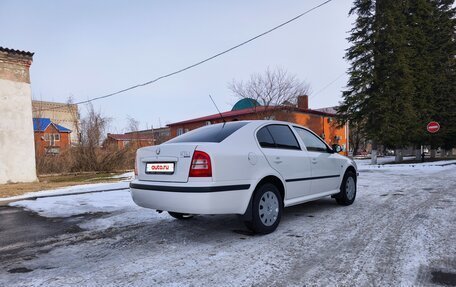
<point x="213" y="133"/>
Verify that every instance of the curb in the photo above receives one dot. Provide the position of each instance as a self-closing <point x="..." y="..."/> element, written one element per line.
<point x="8" y="201"/>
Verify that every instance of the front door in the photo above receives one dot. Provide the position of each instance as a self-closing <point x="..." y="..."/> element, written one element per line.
<point x="326" y="166"/>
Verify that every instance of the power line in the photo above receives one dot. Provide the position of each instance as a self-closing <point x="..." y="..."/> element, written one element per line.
<point x="207" y="59"/>
<point x="327" y="85"/>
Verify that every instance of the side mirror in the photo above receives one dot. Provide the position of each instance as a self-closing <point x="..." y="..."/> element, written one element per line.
<point x="336" y="148"/>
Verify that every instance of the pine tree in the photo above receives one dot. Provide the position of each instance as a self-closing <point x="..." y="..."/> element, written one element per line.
<point x="420" y="23"/>
<point x="403" y="71"/>
<point x="444" y="71"/>
<point x="360" y="55"/>
<point x="432" y="35"/>
<point x="392" y="117"/>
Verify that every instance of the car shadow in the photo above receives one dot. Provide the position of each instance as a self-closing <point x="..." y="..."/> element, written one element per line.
<point x="157" y="232"/>
<point x="213" y="229"/>
<point x="310" y="208"/>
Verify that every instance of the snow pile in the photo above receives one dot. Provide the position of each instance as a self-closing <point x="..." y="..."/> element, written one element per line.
<point x="116" y="208"/>
<point x="413" y="168"/>
<point x="125" y="176"/>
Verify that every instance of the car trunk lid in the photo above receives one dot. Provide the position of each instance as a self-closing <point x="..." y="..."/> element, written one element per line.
<point x="167" y="162"/>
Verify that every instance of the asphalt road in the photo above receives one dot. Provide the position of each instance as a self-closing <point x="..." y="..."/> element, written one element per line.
<point x="400" y="231"/>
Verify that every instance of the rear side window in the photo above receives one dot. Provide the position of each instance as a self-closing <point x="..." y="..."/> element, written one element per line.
<point x="277" y="136"/>
<point x="264" y="138"/>
<point x="213" y="133"/>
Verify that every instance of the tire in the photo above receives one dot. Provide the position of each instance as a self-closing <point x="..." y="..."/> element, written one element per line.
<point x="267" y="208"/>
<point x="347" y="193"/>
<point x="181" y="216"/>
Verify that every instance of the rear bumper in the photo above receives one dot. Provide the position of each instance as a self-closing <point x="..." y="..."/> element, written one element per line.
<point x="206" y="198"/>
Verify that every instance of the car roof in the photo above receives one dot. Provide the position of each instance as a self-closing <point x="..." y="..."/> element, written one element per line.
<point x="258" y="123"/>
<point x="263" y="122"/>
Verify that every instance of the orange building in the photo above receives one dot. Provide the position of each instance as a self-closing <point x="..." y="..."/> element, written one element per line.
<point x="50" y="138"/>
<point x="321" y="121"/>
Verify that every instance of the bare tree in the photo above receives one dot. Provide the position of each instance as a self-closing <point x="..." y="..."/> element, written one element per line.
<point x="93" y="128"/>
<point x="75" y="117"/>
<point x="271" y="89"/>
<point x="133" y="131"/>
<point x="132" y="124"/>
<point x="87" y="154"/>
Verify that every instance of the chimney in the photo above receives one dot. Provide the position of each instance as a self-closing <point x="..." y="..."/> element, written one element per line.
<point x="303" y="102"/>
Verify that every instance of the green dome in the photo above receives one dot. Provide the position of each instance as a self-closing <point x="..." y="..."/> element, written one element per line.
<point x="245" y="104"/>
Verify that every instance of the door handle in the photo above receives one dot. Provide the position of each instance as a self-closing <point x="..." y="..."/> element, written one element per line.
<point x="314" y="160"/>
<point x="277" y="160"/>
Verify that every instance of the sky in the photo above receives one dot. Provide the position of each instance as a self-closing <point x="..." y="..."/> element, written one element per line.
<point x="85" y="49"/>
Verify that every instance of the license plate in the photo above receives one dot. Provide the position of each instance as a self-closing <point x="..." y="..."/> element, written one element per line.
<point x="160" y="167"/>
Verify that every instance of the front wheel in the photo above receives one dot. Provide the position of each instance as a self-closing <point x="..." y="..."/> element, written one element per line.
<point x="267" y="209"/>
<point x="178" y="215"/>
<point x="347" y="193"/>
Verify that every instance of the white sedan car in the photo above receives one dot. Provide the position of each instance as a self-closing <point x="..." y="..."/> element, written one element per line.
<point x="251" y="168"/>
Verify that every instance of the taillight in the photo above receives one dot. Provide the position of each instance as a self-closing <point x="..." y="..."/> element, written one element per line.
<point x="201" y="165"/>
<point x="136" y="166"/>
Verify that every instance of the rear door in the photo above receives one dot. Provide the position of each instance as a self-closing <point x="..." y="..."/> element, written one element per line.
<point x="282" y="150"/>
<point x="326" y="166"/>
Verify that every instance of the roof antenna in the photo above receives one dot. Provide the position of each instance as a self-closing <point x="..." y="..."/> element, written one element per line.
<point x="217" y="109"/>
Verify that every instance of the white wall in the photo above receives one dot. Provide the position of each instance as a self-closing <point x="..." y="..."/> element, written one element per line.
<point x="17" y="147"/>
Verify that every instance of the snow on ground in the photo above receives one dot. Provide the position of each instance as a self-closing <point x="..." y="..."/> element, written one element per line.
<point x="399" y="230"/>
<point x="412" y="168"/>
<point x="118" y="206"/>
<point x="389" y="161"/>
<point x="381" y="160"/>
<point x="127" y="175"/>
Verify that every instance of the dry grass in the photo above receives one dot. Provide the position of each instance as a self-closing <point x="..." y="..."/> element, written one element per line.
<point x="84" y="159"/>
<point x="55" y="181"/>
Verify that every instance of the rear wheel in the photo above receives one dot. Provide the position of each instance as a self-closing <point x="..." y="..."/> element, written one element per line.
<point x="347" y="193"/>
<point x="267" y="207"/>
<point x="178" y="215"/>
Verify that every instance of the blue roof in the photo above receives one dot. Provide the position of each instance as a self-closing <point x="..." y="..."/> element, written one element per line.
<point x="41" y="124"/>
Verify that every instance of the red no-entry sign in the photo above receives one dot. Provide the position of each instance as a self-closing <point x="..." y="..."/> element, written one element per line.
<point x="433" y="127"/>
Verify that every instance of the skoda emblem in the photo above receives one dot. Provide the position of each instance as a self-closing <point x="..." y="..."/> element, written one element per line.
<point x="157" y="151"/>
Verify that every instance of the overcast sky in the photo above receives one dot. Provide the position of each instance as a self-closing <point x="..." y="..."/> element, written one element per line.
<point x="86" y="49"/>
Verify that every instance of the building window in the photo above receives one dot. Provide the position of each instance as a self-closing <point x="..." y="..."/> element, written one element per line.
<point x="208" y="123"/>
<point x="52" y="137"/>
<point x="52" y="150"/>
<point x="186" y="130"/>
<point x="180" y="131"/>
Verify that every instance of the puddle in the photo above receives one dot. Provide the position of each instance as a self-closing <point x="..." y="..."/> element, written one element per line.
<point x="443" y="278"/>
<point x="244" y="232"/>
<point x="20" y="270"/>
